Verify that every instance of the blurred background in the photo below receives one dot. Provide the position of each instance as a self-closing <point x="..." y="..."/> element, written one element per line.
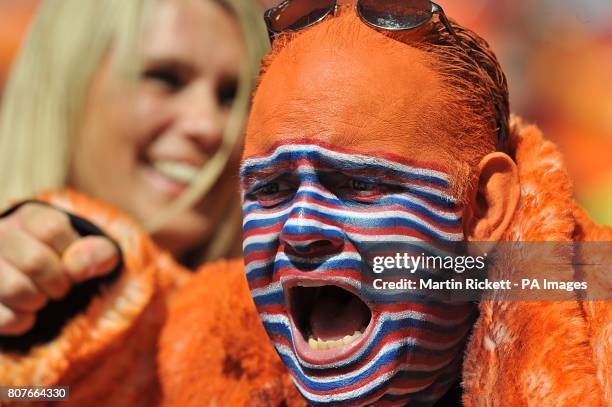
<point x="557" y="55"/>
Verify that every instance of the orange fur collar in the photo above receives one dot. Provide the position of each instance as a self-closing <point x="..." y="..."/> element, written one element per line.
<point x="212" y="347"/>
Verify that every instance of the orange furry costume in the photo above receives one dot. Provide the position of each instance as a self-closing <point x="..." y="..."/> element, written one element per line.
<point x="211" y="348"/>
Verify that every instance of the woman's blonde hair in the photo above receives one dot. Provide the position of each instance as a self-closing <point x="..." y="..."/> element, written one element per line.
<point x="49" y="82"/>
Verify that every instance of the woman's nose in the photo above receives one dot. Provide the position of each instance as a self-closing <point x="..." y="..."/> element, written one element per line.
<point x="201" y="118"/>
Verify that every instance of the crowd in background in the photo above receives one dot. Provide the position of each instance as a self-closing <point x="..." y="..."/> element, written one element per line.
<point x="557" y="55"/>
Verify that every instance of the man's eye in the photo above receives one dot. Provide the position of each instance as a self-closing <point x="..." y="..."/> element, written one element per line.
<point x="273" y="193"/>
<point x="269" y="189"/>
<point x="367" y="191"/>
<point x="363" y="186"/>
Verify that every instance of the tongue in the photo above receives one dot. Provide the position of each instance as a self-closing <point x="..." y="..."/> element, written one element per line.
<point x="332" y="318"/>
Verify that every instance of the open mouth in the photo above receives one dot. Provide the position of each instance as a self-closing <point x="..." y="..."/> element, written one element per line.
<point x="328" y="316"/>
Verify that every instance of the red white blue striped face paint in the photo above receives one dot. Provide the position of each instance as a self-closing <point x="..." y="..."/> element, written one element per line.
<point x="310" y="210"/>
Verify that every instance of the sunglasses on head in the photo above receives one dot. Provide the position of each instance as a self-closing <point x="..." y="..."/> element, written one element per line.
<point x="393" y="15"/>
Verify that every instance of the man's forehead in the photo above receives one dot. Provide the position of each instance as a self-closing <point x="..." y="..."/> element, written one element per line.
<point x="347" y="85"/>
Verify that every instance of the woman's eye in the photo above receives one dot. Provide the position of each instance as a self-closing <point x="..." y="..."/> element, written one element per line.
<point x="170" y="79"/>
<point x="226" y="93"/>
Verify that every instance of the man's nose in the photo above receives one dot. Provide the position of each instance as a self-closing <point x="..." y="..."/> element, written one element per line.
<point x="201" y="119"/>
<point x="307" y="234"/>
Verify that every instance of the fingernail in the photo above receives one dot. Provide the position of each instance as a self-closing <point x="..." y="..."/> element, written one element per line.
<point x="103" y="258"/>
<point x="78" y="262"/>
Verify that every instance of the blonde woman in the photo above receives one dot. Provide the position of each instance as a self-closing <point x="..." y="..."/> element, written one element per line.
<point x="136" y="103"/>
<point x="139" y="104"/>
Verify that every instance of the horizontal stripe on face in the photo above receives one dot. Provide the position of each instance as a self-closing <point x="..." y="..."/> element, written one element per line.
<point x="299" y="226"/>
<point x="410" y="201"/>
<point x="444" y="335"/>
<point x="396" y="207"/>
<point x="290" y="155"/>
<point x="427" y="357"/>
<point x="400" y="387"/>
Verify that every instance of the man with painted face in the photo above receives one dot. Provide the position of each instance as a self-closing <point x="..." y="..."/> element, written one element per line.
<point x="373" y="122"/>
<point x="355" y="141"/>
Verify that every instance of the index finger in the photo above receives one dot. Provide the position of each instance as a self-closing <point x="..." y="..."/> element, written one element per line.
<point x="47" y="225"/>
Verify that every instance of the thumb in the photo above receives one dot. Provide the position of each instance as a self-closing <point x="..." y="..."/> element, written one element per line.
<point x="90" y="257"/>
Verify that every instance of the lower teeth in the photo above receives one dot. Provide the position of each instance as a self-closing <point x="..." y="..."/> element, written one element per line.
<point x="321" y="344"/>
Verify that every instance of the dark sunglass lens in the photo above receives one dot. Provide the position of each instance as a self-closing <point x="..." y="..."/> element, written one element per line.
<point x="395" y="14"/>
<point x="296" y="14"/>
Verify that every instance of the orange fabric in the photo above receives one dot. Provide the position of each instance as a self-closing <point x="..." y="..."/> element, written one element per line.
<point x="114" y="335"/>
<point x="212" y="348"/>
<point x="541" y="353"/>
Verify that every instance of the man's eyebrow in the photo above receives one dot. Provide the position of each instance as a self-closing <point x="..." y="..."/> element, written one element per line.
<point x="250" y="178"/>
<point x="295" y="152"/>
<point x="386" y="169"/>
<point x="326" y="159"/>
<point x="366" y="163"/>
<point x="248" y="172"/>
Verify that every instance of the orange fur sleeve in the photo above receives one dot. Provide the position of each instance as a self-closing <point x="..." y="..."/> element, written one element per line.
<point x="544" y="352"/>
<point x="214" y="349"/>
<point x="106" y="352"/>
<point x="598" y="313"/>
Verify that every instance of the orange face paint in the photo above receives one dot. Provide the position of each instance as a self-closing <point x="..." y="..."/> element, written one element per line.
<point x="343" y="83"/>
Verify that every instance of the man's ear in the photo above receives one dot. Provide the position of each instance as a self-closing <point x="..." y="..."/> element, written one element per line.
<point x="492" y="206"/>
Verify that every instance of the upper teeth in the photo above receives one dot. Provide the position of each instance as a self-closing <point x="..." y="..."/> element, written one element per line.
<point x="321" y="344"/>
<point x="306" y="283"/>
<point x="177" y="171"/>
